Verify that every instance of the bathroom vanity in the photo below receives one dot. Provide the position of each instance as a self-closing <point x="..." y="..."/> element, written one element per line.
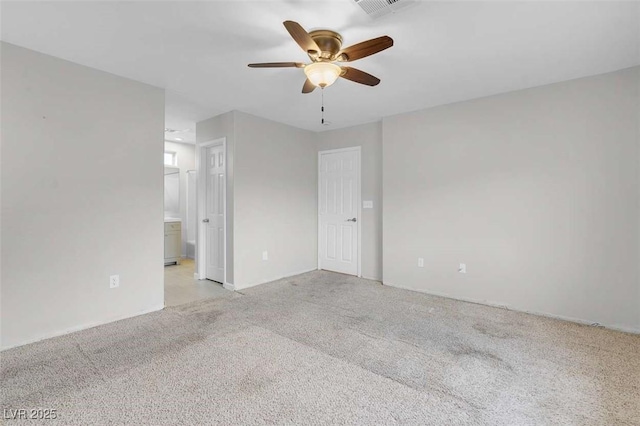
<point x="172" y="240"/>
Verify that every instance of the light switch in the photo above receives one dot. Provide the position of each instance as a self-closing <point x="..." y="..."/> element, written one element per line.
<point x="367" y="204"/>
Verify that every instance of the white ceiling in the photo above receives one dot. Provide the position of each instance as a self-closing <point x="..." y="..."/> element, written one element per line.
<point x="444" y="51"/>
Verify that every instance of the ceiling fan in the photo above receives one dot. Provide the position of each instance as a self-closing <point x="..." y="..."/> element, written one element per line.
<point x="324" y="48"/>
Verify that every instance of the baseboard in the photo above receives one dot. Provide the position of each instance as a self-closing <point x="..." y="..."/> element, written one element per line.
<point x="196" y="276"/>
<point x="292" y="274"/>
<point x="372" y="279"/>
<point x="229" y="286"/>
<point x="616" y="327"/>
<point x="82" y="327"/>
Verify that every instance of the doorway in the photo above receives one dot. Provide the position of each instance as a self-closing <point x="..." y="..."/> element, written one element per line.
<point x="212" y="236"/>
<point x="180" y="228"/>
<point x="339" y="213"/>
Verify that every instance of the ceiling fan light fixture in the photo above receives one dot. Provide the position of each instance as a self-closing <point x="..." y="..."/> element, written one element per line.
<point x="324" y="47"/>
<point x="322" y="74"/>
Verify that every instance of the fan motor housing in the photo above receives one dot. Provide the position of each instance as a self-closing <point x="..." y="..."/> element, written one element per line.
<point x="329" y="42"/>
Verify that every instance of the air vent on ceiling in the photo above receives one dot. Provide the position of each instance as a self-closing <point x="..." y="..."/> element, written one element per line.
<point x="379" y="8"/>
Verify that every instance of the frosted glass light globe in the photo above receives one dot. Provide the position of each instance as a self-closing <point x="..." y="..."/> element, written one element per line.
<point x="322" y="74"/>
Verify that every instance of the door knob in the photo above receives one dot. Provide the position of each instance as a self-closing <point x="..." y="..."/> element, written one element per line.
<point x="352" y="220"/>
<point x="205" y="220"/>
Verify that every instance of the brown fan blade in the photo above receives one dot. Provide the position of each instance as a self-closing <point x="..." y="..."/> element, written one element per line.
<point x="277" y="65"/>
<point x="358" y="76"/>
<point x="308" y="87"/>
<point x="364" y="49"/>
<point x="301" y="36"/>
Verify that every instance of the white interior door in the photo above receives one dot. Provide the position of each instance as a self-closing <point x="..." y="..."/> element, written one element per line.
<point x="214" y="212"/>
<point x="339" y="210"/>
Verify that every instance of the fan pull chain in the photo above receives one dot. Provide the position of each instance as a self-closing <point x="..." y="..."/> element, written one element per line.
<point x="322" y="108"/>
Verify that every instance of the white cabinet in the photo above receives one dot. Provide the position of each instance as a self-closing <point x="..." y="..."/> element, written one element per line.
<point x="172" y="242"/>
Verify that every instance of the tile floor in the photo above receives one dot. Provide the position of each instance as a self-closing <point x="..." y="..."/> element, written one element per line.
<point x="181" y="288"/>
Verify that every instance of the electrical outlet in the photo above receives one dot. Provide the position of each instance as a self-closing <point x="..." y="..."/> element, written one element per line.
<point x="265" y="255"/>
<point x="114" y="281"/>
<point x="462" y="268"/>
<point x="420" y="262"/>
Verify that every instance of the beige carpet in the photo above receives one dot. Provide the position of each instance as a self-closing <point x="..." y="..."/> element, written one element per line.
<point x="324" y="348"/>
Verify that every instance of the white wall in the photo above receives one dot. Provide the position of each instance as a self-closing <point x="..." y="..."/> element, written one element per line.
<point x="369" y="137"/>
<point x="223" y="126"/>
<point x="81" y="192"/>
<point x="537" y="191"/>
<point x="275" y="200"/>
<point x="186" y="156"/>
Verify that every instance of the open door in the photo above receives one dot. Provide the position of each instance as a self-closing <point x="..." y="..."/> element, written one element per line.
<point x="212" y="209"/>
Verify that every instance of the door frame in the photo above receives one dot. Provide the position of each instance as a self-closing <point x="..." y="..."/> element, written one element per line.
<point x="201" y="256"/>
<point x="358" y="150"/>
